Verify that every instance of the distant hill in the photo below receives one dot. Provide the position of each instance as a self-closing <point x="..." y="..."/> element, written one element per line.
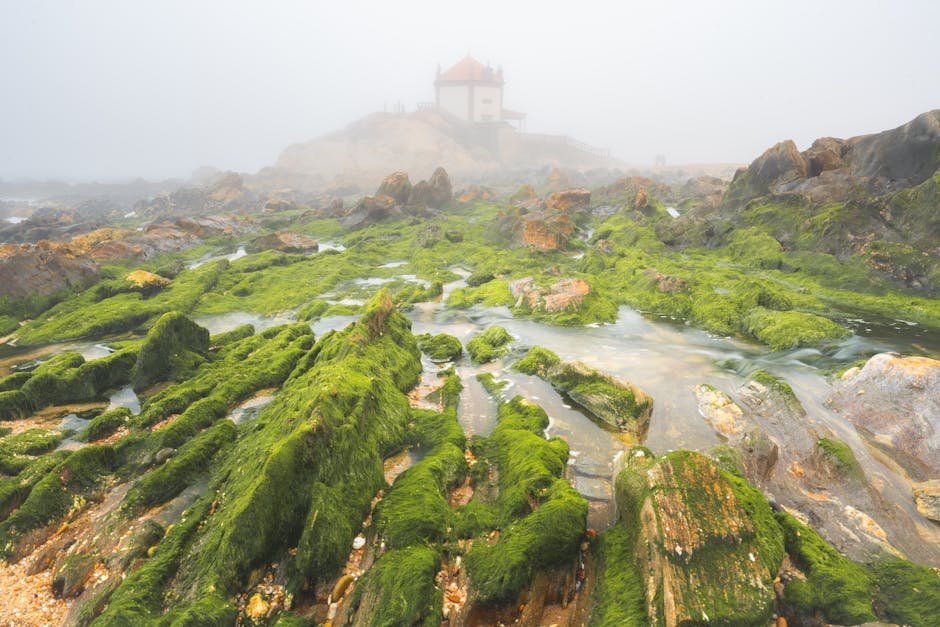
<point x="368" y="149"/>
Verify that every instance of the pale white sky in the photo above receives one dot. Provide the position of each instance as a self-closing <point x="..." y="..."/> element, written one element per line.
<point x="116" y="89"/>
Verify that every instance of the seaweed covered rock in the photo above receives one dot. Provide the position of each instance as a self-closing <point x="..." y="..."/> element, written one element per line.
<point x="705" y="543"/>
<point x="616" y="403"/>
<point x="174" y="347"/>
<point x="894" y="402"/>
<point x="545" y="518"/>
<point x="490" y="344"/>
<point x="302" y="478"/>
<point x="441" y="347"/>
<point x="283" y="241"/>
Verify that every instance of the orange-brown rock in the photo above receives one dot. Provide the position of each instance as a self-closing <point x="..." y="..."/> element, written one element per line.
<point x="474" y="192"/>
<point x="433" y="193"/>
<point x="569" y="200"/>
<point x="396" y="186"/>
<point x="560" y="296"/>
<point x="283" y="241"/>
<point x="147" y="280"/>
<point x="546" y="233"/>
<point x="275" y="204"/>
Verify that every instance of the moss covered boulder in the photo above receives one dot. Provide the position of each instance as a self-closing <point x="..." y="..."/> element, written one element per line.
<point x="705" y="544"/>
<point x="174" y="347"/>
<point x="441" y="347"/>
<point x="616" y="403"/>
<point x="491" y="344"/>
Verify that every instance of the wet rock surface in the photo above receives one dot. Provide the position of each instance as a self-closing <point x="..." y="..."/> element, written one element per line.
<point x="894" y="402"/>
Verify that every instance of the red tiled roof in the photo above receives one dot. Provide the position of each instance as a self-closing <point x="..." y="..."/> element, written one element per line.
<point x="469" y="69"/>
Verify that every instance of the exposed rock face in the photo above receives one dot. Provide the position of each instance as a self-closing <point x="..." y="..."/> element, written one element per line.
<point x="285" y="242"/>
<point x="372" y="209"/>
<point x="562" y="295"/>
<point x="226" y="194"/>
<point x="42" y="268"/>
<point x="629" y="189"/>
<point x="546" y="232"/>
<point x="276" y="204"/>
<point x="433" y="193"/>
<point x="895" y="402"/>
<point x="147" y="281"/>
<point x="475" y="192"/>
<point x="568" y="200"/>
<point x="927" y="497"/>
<point x="396" y="186"/>
<point x="833" y="169"/>
<point x="779" y="166"/>
<point x="707" y="548"/>
<point x="758" y="452"/>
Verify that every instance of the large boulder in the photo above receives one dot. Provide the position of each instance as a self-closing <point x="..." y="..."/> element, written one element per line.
<point x="705" y="543"/>
<point x="43" y="268"/>
<point x="372" y="209"/>
<point x="433" y="193"/>
<point x="396" y="186"/>
<point x="894" y="402"/>
<point x="779" y="166"/>
<point x="173" y="348"/>
<point x="569" y="200"/>
<point x="562" y="295"/>
<point x="613" y="402"/>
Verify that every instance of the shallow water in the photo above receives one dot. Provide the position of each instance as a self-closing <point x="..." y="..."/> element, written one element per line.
<point x="667" y="360"/>
<point x="220" y="323"/>
<point x="125" y="397"/>
<point x="249" y="409"/>
<point x="238" y="254"/>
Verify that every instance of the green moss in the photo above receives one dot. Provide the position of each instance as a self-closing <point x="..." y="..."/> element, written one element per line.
<point x="543" y="517"/>
<point x="479" y="277"/>
<point x="488" y="345"/>
<point x="906" y="593"/>
<point x="837" y="588"/>
<point x="841" y="457"/>
<point x="174" y="347"/>
<point x="57" y="492"/>
<point x="441" y="347"/>
<point x="15" y="489"/>
<point x="547" y="538"/>
<point x="106" y="424"/>
<point x="537" y="361"/>
<point x="30" y="442"/>
<point x="619" y="598"/>
<point x="790" y="329"/>
<point x="193" y="459"/>
<point x="139" y="598"/>
<point x="238" y="333"/>
<point x="304" y="476"/>
<point x="755" y="248"/>
<point x="399" y="590"/>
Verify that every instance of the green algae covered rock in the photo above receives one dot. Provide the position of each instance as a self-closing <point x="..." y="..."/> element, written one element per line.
<point x="441" y="347"/>
<point x="616" y="403"/>
<point x="704" y="544"/>
<point x="174" y="347"/>
<point x="491" y="344"/>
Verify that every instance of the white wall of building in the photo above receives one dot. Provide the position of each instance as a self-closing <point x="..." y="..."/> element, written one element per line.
<point x="487" y="104"/>
<point x="454" y="100"/>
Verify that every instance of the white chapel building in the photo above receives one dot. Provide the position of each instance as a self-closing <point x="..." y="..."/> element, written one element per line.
<point x="473" y="92"/>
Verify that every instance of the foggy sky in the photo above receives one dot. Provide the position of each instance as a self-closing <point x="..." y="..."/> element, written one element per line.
<point x="112" y="90"/>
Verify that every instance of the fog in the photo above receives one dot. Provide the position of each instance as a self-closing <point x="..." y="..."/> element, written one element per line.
<point x="112" y="90"/>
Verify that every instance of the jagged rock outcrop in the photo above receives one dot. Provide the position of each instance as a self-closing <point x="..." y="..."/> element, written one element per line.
<point x="758" y="452"/>
<point x="894" y="402"/>
<point x="433" y="193"/>
<point x="569" y="200"/>
<point x="226" y="194"/>
<point x="283" y="241"/>
<point x="43" y="268"/>
<point x="397" y="186"/>
<point x="836" y="169"/>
